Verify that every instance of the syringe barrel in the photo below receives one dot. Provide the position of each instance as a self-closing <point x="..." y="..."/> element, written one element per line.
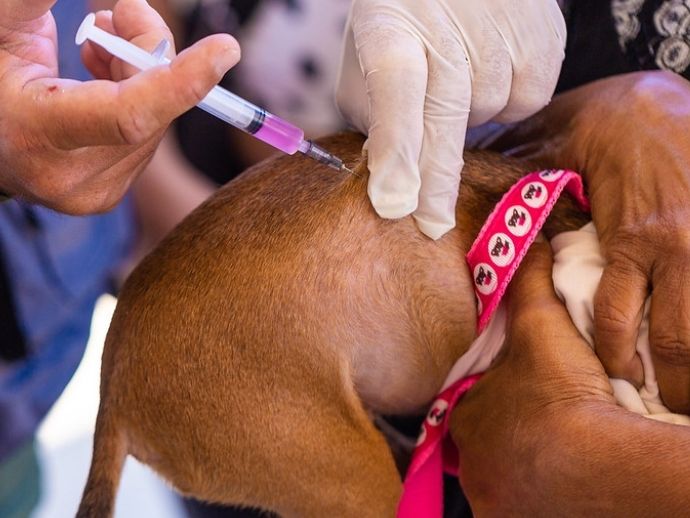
<point x="254" y="120"/>
<point x="219" y="102"/>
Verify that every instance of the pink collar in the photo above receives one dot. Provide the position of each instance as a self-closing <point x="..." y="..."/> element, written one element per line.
<point x="493" y="259"/>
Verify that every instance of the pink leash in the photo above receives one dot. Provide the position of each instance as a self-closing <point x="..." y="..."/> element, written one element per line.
<point x="493" y="259"/>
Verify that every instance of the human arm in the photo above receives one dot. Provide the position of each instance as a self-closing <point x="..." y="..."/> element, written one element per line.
<point x="415" y="74"/>
<point x="77" y="146"/>
<point x="541" y="435"/>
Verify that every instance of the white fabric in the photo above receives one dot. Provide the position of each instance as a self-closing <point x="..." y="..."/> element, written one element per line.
<point x="578" y="265"/>
<point x="483" y="350"/>
<point x="415" y="73"/>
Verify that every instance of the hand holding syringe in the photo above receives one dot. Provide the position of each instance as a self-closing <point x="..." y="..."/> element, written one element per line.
<point x="219" y="102"/>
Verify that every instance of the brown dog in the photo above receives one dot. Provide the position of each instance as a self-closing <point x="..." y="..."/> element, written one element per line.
<point x="248" y="349"/>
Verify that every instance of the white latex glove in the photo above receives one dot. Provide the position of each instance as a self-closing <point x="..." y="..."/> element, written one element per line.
<point x="416" y="73"/>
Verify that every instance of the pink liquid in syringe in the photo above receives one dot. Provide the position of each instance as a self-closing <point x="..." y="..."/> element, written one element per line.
<point x="280" y="134"/>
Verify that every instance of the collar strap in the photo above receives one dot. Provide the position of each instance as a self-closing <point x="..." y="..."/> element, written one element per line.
<point x="511" y="229"/>
<point x="493" y="260"/>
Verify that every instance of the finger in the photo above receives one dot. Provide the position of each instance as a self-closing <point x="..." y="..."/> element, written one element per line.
<point x="532" y="286"/>
<point x="491" y="83"/>
<point x="538" y="321"/>
<point x="536" y="316"/>
<point x="97" y="67"/>
<point x="351" y="89"/>
<point x="96" y="59"/>
<point x="446" y="112"/>
<point x="618" y="309"/>
<point x="130" y="112"/>
<point x="395" y="71"/>
<point x="147" y="34"/>
<point x="536" y="60"/>
<point x="141" y="25"/>
<point x="669" y="336"/>
<point x="135" y="19"/>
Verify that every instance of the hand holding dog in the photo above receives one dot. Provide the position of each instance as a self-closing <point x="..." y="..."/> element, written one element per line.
<point x="415" y="74"/>
<point x="627" y="135"/>
<point x="77" y="146"/>
<point x="541" y="434"/>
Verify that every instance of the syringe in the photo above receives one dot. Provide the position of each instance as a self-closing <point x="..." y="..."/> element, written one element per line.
<point x="219" y="102"/>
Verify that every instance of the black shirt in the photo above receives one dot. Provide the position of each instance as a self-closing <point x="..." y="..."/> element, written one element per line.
<point x="612" y="37"/>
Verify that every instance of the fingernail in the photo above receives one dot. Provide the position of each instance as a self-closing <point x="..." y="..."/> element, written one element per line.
<point x="228" y="56"/>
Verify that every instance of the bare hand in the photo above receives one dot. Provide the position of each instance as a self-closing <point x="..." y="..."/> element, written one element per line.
<point x="541" y="434"/>
<point x="512" y="428"/>
<point x="628" y="136"/>
<point x="77" y="146"/>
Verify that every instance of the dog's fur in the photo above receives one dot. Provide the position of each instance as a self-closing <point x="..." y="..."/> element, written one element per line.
<point x="248" y="349"/>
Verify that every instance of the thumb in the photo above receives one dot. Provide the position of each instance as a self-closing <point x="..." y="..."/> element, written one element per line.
<point x="532" y="286"/>
<point x="536" y="315"/>
<point x="133" y="110"/>
<point x="618" y="309"/>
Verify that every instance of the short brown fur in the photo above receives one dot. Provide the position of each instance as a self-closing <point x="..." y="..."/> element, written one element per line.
<point x="248" y="349"/>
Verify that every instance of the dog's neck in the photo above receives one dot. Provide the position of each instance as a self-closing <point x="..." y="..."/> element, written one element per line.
<point x="486" y="178"/>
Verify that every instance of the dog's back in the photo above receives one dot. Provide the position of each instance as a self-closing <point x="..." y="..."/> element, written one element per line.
<point x="247" y="349"/>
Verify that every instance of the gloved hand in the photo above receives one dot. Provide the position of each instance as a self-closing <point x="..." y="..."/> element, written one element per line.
<point x="415" y="74"/>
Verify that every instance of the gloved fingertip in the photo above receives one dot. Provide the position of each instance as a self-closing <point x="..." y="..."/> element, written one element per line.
<point x="434" y="229"/>
<point x="394" y="184"/>
<point x="393" y="205"/>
